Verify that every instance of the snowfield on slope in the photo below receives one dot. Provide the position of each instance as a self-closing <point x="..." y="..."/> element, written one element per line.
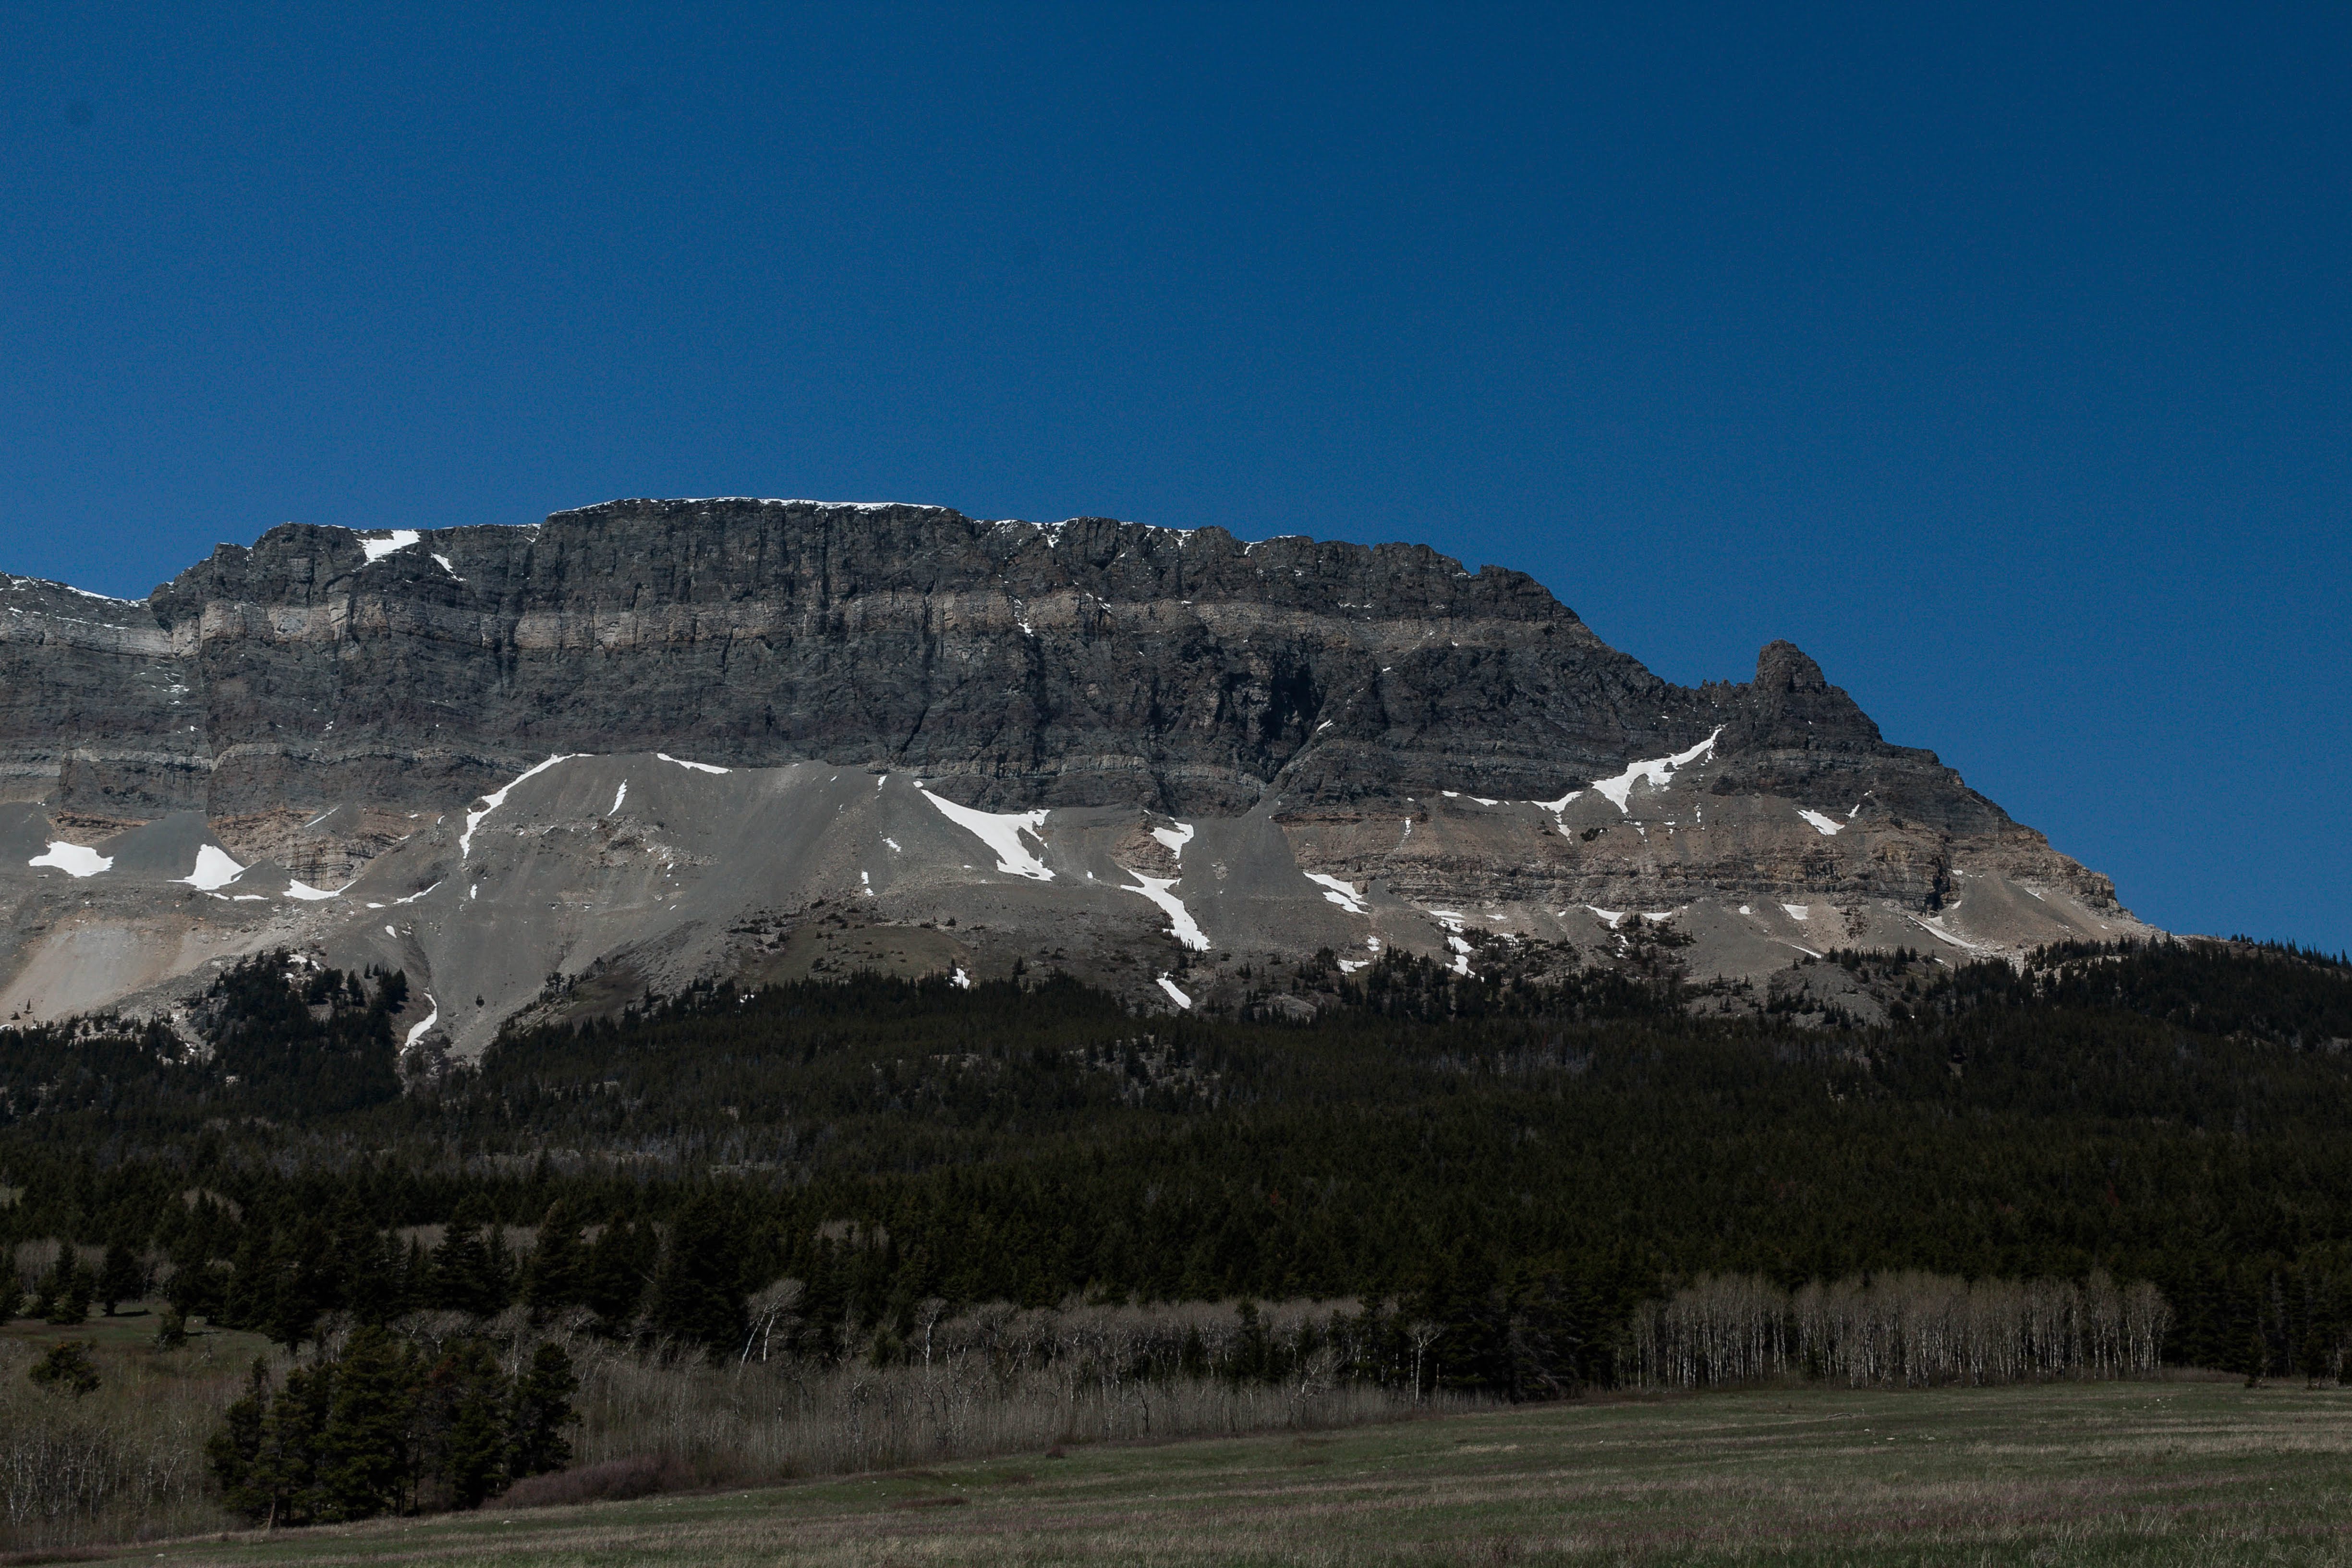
<point x="1001" y="831"/>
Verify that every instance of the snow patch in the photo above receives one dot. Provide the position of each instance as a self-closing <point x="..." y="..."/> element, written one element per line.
<point x="1612" y="916"/>
<point x="1827" y="826"/>
<point x="310" y="895"/>
<point x="490" y="803"/>
<point x="1177" y="997"/>
<point x="960" y="980"/>
<point x="1934" y="926"/>
<point x="1798" y="911"/>
<point x="1349" y="965"/>
<point x="1001" y="831"/>
<point x="1342" y="894"/>
<point x="214" y="869"/>
<point x="619" y="796"/>
<point x="412" y="899"/>
<point x="893" y="845"/>
<point x="865" y="883"/>
<point x="1181" y="923"/>
<point x="396" y="539"/>
<point x="697" y="767"/>
<point x="1175" y="837"/>
<point x="417" y="1033"/>
<point x="1658" y="771"/>
<point x="443" y="562"/>
<point x="73" y="859"/>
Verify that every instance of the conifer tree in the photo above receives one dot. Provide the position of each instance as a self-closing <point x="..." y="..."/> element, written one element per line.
<point x="365" y="1446"/>
<point x="465" y="1267"/>
<point x="235" y="1448"/>
<point x="120" y="1277"/>
<point x="251" y="1288"/>
<point x="67" y="1369"/>
<point x="698" y="1294"/>
<point x="65" y="1289"/>
<point x="284" y="1476"/>
<point x="416" y="1288"/>
<point x="617" y="1269"/>
<point x="553" y="1277"/>
<point x="465" y="1405"/>
<point x="542" y="1409"/>
<point x="290" y="1312"/>
<point x="372" y="1275"/>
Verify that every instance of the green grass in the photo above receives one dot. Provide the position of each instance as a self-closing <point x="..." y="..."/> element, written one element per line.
<point x="130" y="1332"/>
<point x="2187" y="1472"/>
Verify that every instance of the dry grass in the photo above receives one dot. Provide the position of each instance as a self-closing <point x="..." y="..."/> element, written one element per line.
<point x="736" y="1425"/>
<point x="126" y="1462"/>
<point x="2163" y="1473"/>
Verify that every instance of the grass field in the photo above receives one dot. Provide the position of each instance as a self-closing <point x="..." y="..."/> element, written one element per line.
<point x="2182" y="1472"/>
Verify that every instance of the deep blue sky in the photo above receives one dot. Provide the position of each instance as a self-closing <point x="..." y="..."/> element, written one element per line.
<point x="2002" y="358"/>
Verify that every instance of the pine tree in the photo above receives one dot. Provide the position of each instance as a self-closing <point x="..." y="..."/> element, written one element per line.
<point x="291" y="1311"/>
<point x="235" y="1448"/>
<point x="120" y="1277"/>
<point x="553" y="1277"/>
<point x="542" y="1409"/>
<point x="617" y="1267"/>
<point x="466" y="1277"/>
<point x="73" y="1305"/>
<point x="64" y="1298"/>
<point x="372" y="1275"/>
<point x="416" y="1288"/>
<point x="193" y="1289"/>
<point x="366" y="1463"/>
<point x="698" y="1294"/>
<point x="251" y="1289"/>
<point x="67" y="1369"/>
<point x="463" y="1413"/>
<point x="12" y="1290"/>
<point x="286" y="1470"/>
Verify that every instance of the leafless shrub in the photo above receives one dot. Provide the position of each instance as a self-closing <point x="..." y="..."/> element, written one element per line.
<point x="640" y="1475"/>
<point x="996" y="1380"/>
<point x="127" y="1462"/>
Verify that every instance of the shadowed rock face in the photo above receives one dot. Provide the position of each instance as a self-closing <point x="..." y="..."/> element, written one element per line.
<point x="1091" y="662"/>
<point x="317" y="697"/>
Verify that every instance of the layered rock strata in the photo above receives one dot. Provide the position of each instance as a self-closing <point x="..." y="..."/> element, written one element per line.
<point x="325" y="705"/>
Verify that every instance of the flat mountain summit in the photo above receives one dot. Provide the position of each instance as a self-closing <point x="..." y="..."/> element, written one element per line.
<point x="655" y="742"/>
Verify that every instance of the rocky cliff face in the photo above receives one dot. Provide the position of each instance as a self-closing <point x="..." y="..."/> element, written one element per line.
<point x="1383" y="717"/>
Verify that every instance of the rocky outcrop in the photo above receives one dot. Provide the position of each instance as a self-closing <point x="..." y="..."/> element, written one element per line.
<point x="1397" y="722"/>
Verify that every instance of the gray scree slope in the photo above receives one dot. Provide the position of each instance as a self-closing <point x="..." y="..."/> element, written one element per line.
<point x="1238" y="749"/>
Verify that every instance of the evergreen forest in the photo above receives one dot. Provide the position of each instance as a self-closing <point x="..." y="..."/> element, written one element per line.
<point x="1522" y="1169"/>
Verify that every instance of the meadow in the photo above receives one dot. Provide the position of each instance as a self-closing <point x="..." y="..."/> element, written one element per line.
<point x="2181" y="1470"/>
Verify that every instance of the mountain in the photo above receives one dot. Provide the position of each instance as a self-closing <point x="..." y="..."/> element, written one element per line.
<point x="548" y="768"/>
